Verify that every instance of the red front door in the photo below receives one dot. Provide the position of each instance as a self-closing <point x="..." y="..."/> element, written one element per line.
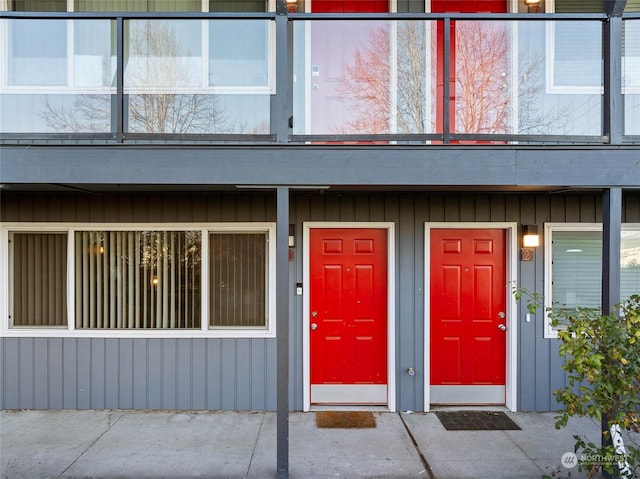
<point x="348" y="315"/>
<point x="468" y="323"/>
<point x="339" y="101"/>
<point x="479" y="96"/>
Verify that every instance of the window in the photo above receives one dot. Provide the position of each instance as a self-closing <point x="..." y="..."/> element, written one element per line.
<point x="138" y="282"/>
<point x="574" y="50"/>
<point x="137" y="279"/>
<point x="38" y="265"/>
<point x="37" y="5"/>
<point x="238" y="271"/>
<point x="136" y="5"/>
<point x="574" y="266"/>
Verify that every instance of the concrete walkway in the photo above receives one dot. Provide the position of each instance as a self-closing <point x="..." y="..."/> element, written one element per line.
<point x="149" y="444"/>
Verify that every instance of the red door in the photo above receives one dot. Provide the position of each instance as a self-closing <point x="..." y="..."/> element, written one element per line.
<point x="468" y="323"/>
<point x="337" y="104"/>
<point x="348" y="315"/>
<point x="476" y="70"/>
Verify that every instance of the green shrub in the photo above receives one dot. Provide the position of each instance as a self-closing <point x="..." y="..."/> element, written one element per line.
<point x="602" y="361"/>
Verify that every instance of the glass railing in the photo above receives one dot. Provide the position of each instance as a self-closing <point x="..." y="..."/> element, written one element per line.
<point x="60" y="76"/>
<point x="502" y="78"/>
<point x="180" y="77"/>
<point x="424" y="80"/>
<point x="198" y="77"/>
<point x="631" y="76"/>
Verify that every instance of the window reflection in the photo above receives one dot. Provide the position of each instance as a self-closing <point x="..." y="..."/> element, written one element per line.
<point x="38" y="53"/>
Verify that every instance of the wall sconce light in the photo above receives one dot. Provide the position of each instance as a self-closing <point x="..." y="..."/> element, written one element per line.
<point x="292" y="6"/>
<point x="530" y="237"/>
<point x="533" y="5"/>
<point x="530" y="240"/>
<point x="292" y="242"/>
<point x="292" y="236"/>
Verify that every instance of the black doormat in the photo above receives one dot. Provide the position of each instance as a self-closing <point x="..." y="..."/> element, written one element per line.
<point x="476" y="421"/>
<point x="345" y="419"/>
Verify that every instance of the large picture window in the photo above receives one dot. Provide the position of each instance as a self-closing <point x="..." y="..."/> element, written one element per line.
<point x="138" y="282"/>
<point x="574" y="266"/>
<point x="137" y="279"/>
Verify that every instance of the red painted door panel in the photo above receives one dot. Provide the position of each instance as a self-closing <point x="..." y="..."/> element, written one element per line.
<point x="348" y="306"/>
<point x="350" y="6"/>
<point x="468" y="279"/>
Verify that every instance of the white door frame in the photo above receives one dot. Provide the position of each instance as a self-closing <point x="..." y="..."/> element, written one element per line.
<point x="391" y="306"/>
<point x="511" y="262"/>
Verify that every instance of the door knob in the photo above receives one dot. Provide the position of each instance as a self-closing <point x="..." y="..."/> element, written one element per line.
<point x="501" y="315"/>
<point x="314" y="326"/>
<point x="314" y="314"/>
<point x="502" y="327"/>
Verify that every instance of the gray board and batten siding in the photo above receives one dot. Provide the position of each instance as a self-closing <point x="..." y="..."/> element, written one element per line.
<point x="240" y="373"/>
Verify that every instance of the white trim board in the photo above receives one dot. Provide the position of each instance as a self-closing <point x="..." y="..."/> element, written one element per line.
<point x="391" y="307"/>
<point x="511" y="261"/>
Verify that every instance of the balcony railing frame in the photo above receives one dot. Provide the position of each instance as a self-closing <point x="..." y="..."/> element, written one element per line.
<point x="281" y="101"/>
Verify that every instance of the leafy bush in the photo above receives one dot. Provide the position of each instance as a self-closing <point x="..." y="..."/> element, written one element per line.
<point x="602" y="359"/>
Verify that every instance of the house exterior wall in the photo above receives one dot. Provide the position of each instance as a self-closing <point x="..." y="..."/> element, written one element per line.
<point x="240" y="373"/>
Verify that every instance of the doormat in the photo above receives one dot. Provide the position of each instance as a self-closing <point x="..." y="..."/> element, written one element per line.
<point x="345" y="419"/>
<point x="476" y="421"/>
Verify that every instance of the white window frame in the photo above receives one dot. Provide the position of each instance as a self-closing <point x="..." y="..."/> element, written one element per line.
<point x="205" y="330"/>
<point x="551" y="88"/>
<point x="549" y="228"/>
<point x="69" y="87"/>
<point x="203" y="88"/>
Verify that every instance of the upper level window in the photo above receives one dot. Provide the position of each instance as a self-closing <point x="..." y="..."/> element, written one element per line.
<point x="574" y="266"/>
<point x="574" y="49"/>
<point x="37" y="5"/>
<point x="137" y="5"/>
<point x="216" y="281"/>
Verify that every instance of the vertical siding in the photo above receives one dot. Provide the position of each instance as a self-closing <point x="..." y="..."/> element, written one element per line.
<point x="206" y="373"/>
<point x="97" y="373"/>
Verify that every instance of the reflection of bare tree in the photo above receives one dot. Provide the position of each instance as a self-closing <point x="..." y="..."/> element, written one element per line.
<point x="482" y="83"/>
<point x="365" y="85"/>
<point x="157" y="65"/>
<point x="482" y="93"/>
<point x="412" y="114"/>
<point x="532" y="118"/>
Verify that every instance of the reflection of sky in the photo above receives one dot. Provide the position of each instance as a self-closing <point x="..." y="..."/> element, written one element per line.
<point x="630" y="249"/>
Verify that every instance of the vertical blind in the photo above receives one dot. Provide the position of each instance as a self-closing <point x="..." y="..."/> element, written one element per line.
<point x="138" y="5"/>
<point x="38" y="5"/>
<point x="137" y="279"/>
<point x="577" y="267"/>
<point x="238" y="284"/>
<point x="39" y="279"/>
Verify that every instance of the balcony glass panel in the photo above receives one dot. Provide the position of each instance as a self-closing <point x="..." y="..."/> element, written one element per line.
<point x="201" y="77"/>
<point x="506" y="77"/>
<point x="527" y="78"/>
<point x="631" y="76"/>
<point x="59" y="76"/>
<point x="363" y="77"/>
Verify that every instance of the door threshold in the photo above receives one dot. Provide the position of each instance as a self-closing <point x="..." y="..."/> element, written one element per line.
<point x="348" y="407"/>
<point x="479" y="407"/>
